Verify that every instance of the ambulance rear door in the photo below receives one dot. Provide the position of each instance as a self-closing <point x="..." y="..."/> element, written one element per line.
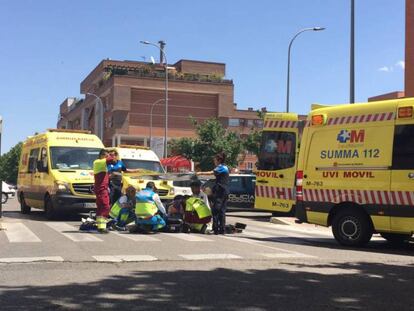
<point x="402" y="174"/>
<point x="275" y="174"/>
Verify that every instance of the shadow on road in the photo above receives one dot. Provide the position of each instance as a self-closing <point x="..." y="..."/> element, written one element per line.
<point x="357" y="286"/>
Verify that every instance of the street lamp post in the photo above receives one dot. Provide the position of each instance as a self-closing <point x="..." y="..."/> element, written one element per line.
<point x="288" y="68"/>
<point x="101" y="115"/>
<point x="152" y="108"/>
<point x="161" y="48"/>
<point x="1" y="181"/>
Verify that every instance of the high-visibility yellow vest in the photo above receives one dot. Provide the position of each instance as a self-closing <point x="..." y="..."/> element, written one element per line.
<point x="145" y="209"/>
<point x="99" y="166"/>
<point x="116" y="208"/>
<point x="197" y="205"/>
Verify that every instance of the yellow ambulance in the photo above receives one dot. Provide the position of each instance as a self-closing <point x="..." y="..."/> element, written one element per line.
<point x="56" y="171"/>
<point x="277" y="162"/>
<point x="150" y="169"/>
<point x="356" y="171"/>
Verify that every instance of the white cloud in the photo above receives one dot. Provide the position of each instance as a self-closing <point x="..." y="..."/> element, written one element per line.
<point x="400" y="64"/>
<point x="385" y="69"/>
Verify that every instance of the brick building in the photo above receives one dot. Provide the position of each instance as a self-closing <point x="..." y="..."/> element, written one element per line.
<point x="409" y="58"/>
<point x="129" y="90"/>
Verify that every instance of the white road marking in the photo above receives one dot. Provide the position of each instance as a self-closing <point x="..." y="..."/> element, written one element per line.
<point x="72" y="233"/>
<point x="31" y="259"/>
<point x="257" y="235"/>
<point x="137" y="237"/>
<point x="288" y="232"/>
<point x="242" y="239"/>
<point x="188" y="237"/>
<point x="124" y="258"/>
<point x="209" y="256"/>
<point x="287" y="255"/>
<point x="19" y="233"/>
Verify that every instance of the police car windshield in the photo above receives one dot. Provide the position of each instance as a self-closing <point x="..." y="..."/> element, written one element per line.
<point x="73" y="158"/>
<point x="143" y="164"/>
<point x="277" y="150"/>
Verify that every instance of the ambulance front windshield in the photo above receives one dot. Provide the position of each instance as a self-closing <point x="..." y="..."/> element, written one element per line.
<point x="277" y="150"/>
<point x="143" y="164"/>
<point x="73" y="158"/>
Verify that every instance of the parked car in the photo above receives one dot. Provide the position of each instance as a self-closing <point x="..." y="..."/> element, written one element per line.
<point x="7" y="192"/>
<point x="242" y="189"/>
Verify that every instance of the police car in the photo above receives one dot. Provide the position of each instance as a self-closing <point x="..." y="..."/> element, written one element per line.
<point x="241" y="187"/>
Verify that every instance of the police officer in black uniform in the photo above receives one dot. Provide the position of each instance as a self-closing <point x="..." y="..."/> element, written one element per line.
<point x="220" y="192"/>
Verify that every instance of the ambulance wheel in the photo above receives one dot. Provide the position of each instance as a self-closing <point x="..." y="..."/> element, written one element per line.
<point x="396" y="238"/>
<point x="50" y="210"/>
<point x="24" y="208"/>
<point x="351" y="227"/>
<point x="4" y="198"/>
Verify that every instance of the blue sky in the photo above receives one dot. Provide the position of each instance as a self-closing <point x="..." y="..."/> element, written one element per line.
<point x="48" y="47"/>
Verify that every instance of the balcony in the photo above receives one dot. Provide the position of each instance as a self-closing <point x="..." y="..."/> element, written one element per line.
<point x="147" y="71"/>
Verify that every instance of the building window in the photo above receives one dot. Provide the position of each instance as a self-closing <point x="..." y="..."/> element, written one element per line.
<point x="249" y="165"/>
<point x="259" y="123"/>
<point x="250" y="123"/>
<point x="234" y="122"/>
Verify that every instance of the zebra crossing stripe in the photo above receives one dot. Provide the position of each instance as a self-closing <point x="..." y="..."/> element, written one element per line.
<point x="19" y="233"/>
<point x="286" y="255"/>
<point x="31" y="259"/>
<point x="137" y="237"/>
<point x="187" y="237"/>
<point x="209" y="256"/>
<point x="124" y="258"/>
<point x="72" y="233"/>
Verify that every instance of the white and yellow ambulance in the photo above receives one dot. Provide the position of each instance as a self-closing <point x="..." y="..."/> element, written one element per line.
<point x="356" y="170"/>
<point x="352" y="168"/>
<point x="56" y="171"/>
<point x="150" y="169"/>
<point x="276" y="168"/>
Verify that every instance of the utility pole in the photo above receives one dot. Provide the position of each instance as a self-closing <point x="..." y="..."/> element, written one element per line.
<point x="352" y="56"/>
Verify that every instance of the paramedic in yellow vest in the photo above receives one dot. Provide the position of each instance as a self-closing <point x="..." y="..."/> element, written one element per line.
<point x="123" y="211"/>
<point x="149" y="210"/>
<point x="101" y="190"/>
<point x="195" y="223"/>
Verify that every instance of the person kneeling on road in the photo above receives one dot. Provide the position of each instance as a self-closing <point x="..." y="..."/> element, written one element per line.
<point x="197" y="209"/>
<point x="122" y="212"/>
<point x="149" y="210"/>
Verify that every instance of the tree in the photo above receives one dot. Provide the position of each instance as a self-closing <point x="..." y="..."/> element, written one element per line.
<point x="212" y="138"/>
<point x="252" y="142"/>
<point x="253" y="139"/>
<point x="9" y="164"/>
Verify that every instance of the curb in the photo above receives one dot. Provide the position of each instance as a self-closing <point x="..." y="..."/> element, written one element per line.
<point x="278" y="221"/>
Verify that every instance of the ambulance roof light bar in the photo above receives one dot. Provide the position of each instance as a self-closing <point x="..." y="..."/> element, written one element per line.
<point x="134" y="147"/>
<point x="68" y="131"/>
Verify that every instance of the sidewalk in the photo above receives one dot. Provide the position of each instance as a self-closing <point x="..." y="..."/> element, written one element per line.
<point x="290" y="221"/>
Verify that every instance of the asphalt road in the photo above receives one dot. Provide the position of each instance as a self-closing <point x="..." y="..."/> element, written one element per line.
<point x="51" y="265"/>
